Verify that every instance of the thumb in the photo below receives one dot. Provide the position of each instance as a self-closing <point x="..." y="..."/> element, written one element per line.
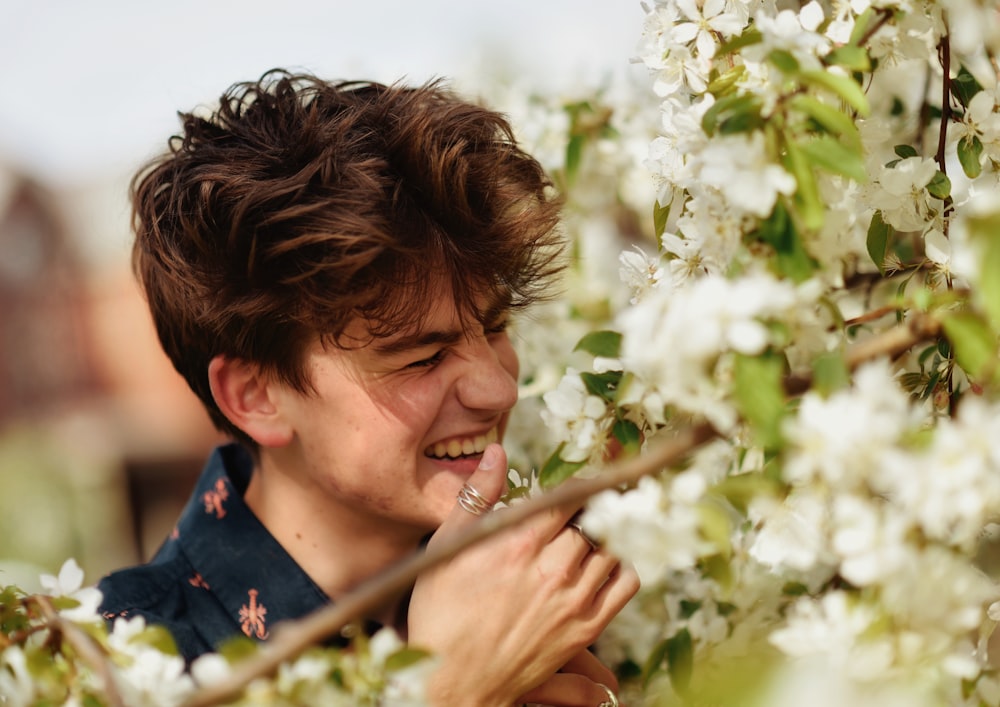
<point x="489" y="481"/>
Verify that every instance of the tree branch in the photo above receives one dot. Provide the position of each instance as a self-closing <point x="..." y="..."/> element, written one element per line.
<point x="87" y="648"/>
<point x="290" y="639"/>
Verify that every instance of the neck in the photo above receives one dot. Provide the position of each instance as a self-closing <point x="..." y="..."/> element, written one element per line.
<point x="335" y="544"/>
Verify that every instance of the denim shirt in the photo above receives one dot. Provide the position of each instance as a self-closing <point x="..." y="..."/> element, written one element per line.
<point x="220" y="573"/>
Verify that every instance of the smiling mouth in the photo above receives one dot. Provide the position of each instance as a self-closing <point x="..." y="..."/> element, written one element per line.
<point x="461" y="446"/>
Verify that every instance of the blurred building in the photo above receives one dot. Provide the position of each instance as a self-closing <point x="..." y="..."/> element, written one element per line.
<point x="100" y="439"/>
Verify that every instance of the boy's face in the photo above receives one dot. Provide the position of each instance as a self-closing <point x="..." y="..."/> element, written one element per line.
<point x="396" y="426"/>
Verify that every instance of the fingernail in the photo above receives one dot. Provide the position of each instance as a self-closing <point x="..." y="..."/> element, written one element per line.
<point x="490" y="458"/>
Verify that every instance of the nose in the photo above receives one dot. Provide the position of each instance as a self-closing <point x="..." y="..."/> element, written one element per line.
<point x="489" y="381"/>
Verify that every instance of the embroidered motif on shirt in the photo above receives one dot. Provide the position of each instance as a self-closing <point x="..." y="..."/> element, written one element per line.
<point x="175" y="533"/>
<point x="213" y="499"/>
<point x="198" y="581"/>
<point x="252" y="617"/>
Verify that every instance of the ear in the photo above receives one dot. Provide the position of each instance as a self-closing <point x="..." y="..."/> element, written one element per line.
<point x="245" y="396"/>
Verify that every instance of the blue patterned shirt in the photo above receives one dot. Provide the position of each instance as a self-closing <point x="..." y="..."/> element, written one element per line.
<point x="220" y="573"/>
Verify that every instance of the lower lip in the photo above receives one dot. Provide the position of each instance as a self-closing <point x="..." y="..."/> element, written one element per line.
<point x="464" y="466"/>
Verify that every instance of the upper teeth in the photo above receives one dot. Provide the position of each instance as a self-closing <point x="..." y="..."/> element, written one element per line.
<point x="458" y="447"/>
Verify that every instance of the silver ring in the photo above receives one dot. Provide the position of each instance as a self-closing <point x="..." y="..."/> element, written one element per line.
<point x="472" y="501"/>
<point x="579" y="529"/>
<point x="612" y="700"/>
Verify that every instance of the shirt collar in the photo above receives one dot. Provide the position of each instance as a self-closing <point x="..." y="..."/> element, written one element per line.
<point x="241" y="563"/>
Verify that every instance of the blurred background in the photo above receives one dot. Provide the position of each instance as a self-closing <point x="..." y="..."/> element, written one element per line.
<point x="100" y="440"/>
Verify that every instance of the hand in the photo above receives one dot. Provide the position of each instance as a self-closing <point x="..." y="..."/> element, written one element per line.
<point x="506" y="614"/>
<point x="577" y="684"/>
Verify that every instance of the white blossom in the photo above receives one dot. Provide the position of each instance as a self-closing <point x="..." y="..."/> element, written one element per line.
<point x="69" y="584"/>
<point x="578" y="417"/>
<point x="739" y="167"/>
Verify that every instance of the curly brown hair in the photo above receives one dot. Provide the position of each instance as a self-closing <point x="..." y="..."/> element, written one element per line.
<point x="299" y="205"/>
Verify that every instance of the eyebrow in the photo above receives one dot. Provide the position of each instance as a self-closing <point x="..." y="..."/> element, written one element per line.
<point x="418" y="340"/>
<point x="421" y="339"/>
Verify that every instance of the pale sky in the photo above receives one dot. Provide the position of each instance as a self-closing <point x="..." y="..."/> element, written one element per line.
<point x="93" y="87"/>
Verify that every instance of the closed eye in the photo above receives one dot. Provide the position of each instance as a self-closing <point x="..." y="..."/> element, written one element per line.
<point x="498" y="328"/>
<point x="427" y="362"/>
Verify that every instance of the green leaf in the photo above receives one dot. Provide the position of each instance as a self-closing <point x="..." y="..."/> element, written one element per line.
<point x="741" y="489"/>
<point x="879" y="233"/>
<point x="158" y="637"/>
<point x="861" y="25"/>
<point x="784" y="60"/>
<point x="843" y="86"/>
<point x="939" y="186"/>
<point x="828" y="153"/>
<point x="733" y="107"/>
<point x="603" y="385"/>
<point x="628" y="434"/>
<point x="904" y="151"/>
<point x="791" y="259"/>
<point x="760" y="395"/>
<point x="654" y="662"/>
<point x="807" y="196"/>
<point x="604" y="343"/>
<point x="985" y="231"/>
<point x="748" y="38"/>
<point x="975" y="346"/>
<point x="850" y="57"/>
<point x="404" y="658"/>
<point x="830" y="373"/>
<point x="724" y="83"/>
<point x="688" y="608"/>
<point x="574" y="155"/>
<point x="828" y="117"/>
<point x="969" y="152"/>
<point x="964" y="86"/>
<point x="555" y="470"/>
<point x="660" y="216"/>
<point x="680" y="660"/>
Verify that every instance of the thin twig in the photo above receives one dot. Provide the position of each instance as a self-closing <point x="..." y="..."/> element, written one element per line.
<point x="292" y="638"/>
<point x="85" y="646"/>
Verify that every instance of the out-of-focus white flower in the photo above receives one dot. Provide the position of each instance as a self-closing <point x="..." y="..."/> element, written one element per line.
<point x="841" y="439"/>
<point x="949" y="488"/>
<point x="793" y="32"/>
<point x="900" y="193"/>
<point x="209" y="669"/>
<point x="869" y="537"/>
<point x="17" y="687"/>
<point x="740" y="168"/>
<point x="793" y="533"/>
<point x="68" y="584"/>
<point x="639" y="272"/>
<point x="643" y="527"/>
<point x="577" y="416"/>
<point x="673" y="340"/>
<point x="837" y="628"/>
<point x="153" y="679"/>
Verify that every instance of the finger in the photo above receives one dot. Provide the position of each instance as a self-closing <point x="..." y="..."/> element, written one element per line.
<point x="570" y="545"/>
<point x="489" y="481"/>
<point x="621" y="586"/>
<point x="586" y="663"/>
<point x="566" y="690"/>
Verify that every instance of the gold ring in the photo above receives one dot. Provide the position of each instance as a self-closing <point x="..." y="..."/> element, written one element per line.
<point x="612" y="700"/>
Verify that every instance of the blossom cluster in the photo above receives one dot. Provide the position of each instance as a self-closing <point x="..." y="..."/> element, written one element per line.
<point x="55" y="648"/>
<point x="825" y="179"/>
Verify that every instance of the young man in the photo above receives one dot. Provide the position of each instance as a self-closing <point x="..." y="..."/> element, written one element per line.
<point x="331" y="267"/>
